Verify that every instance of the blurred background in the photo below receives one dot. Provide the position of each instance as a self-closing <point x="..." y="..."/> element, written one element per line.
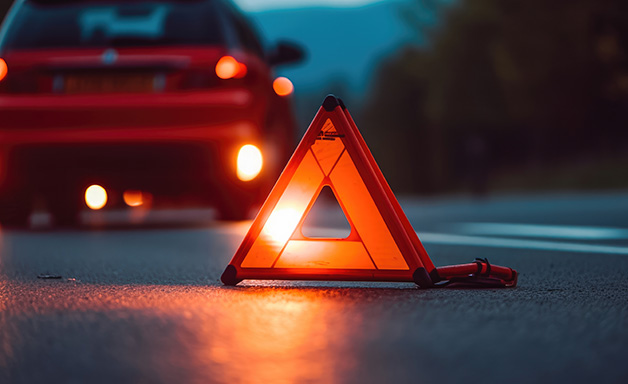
<point x="468" y="96"/>
<point x="471" y="96"/>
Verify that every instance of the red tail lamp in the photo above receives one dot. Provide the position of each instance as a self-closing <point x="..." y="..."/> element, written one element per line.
<point x="283" y="86"/>
<point x="228" y="68"/>
<point x="3" y="69"/>
<point x="133" y="198"/>
<point x="242" y="70"/>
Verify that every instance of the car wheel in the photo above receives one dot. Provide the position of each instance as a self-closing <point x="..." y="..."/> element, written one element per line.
<point x="15" y="210"/>
<point x="234" y="212"/>
<point x="235" y="206"/>
<point x="65" y="209"/>
<point x="65" y="217"/>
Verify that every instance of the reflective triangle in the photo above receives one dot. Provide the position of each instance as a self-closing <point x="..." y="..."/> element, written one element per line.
<point x="381" y="246"/>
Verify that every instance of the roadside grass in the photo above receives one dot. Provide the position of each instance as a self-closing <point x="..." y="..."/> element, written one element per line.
<point x="585" y="174"/>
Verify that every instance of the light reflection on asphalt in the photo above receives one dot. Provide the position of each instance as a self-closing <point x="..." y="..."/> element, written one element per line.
<point x="267" y="333"/>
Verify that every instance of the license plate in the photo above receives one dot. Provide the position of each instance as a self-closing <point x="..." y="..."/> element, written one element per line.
<point x="123" y="83"/>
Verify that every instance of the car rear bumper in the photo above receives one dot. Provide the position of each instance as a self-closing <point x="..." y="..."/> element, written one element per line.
<point x="164" y="168"/>
<point x="163" y="143"/>
<point x="193" y="115"/>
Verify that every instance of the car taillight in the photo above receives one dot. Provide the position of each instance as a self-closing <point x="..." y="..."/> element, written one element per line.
<point x="241" y="71"/>
<point x="283" y="86"/>
<point x="3" y="69"/>
<point x="229" y="68"/>
<point x="135" y="198"/>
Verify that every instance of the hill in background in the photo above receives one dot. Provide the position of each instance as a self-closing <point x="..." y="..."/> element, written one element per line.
<point x="344" y="47"/>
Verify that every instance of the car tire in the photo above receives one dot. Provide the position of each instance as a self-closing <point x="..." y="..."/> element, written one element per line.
<point x="235" y="205"/>
<point x="65" y="217"/>
<point x="64" y="209"/>
<point x="15" y="210"/>
<point x="234" y="211"/>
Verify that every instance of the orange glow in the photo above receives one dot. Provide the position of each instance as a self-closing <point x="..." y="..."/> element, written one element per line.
<point x="227" y="67"/>
<point x="299" y="336"/>
<point x="283" y="86"/>
<point x="95" y="197"/>
<point x="242" y="70"/>
<point x="249" y="163"/>
<point x="285" y="216"/>
<point x="3" y="69"/>
<point x="281" y="224"/>
<point x="133" y="198"/>
<point x="273" y="335"/>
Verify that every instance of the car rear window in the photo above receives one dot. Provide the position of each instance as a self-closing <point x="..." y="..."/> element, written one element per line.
<point x="73" y="24"/>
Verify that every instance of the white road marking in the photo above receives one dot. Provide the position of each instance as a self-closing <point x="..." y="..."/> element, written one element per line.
<point x="498" y="242"/>
<point x="543" y="231"/>
<point x="494" y="242"/>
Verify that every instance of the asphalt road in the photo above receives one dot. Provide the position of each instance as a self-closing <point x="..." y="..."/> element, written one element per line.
<point x="142" y="303"/>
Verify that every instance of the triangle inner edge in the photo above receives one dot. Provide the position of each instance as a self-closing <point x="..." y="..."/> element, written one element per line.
<point x="321" y="220"/>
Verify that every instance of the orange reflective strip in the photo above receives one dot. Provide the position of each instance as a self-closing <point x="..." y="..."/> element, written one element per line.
<point x="365" y="216"/>
<point x="324" y="254"/>
<point x="286" y="215"/>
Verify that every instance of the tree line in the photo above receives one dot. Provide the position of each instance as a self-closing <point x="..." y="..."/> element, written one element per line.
<point x="503" y="86"/>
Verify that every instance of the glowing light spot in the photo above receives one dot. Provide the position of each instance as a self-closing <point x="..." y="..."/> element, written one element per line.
<point x="95" y="197"/>
<point x="3" y="69"/>
<point x="133" y="198"/>
<point x="283" y="86"/>
<point x="281" y="224"/>
<point x="242" y="70"/>
<point x="250" y="162"/>
<point x="227" y="67"/>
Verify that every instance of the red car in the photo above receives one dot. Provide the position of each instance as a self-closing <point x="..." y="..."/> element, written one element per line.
<point x="169" y="99"/>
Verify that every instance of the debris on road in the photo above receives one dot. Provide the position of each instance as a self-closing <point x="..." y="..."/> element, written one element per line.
<point x="46" y="276"/>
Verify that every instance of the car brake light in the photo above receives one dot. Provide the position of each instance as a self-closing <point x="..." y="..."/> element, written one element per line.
<point x="133" y="198"/>
<point x="229" y="68"/>
<point x="250" y="162"/>
<point x="3" y="69"/>
<point x="283" y="86"/>
<point x="95" y="197"/>
<point x="241" y="71"/>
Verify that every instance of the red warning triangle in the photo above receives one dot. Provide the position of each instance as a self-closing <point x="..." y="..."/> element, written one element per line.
<point x="382" y="246"/>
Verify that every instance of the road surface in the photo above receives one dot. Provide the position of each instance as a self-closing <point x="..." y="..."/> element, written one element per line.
<point x="140" y="301"/>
